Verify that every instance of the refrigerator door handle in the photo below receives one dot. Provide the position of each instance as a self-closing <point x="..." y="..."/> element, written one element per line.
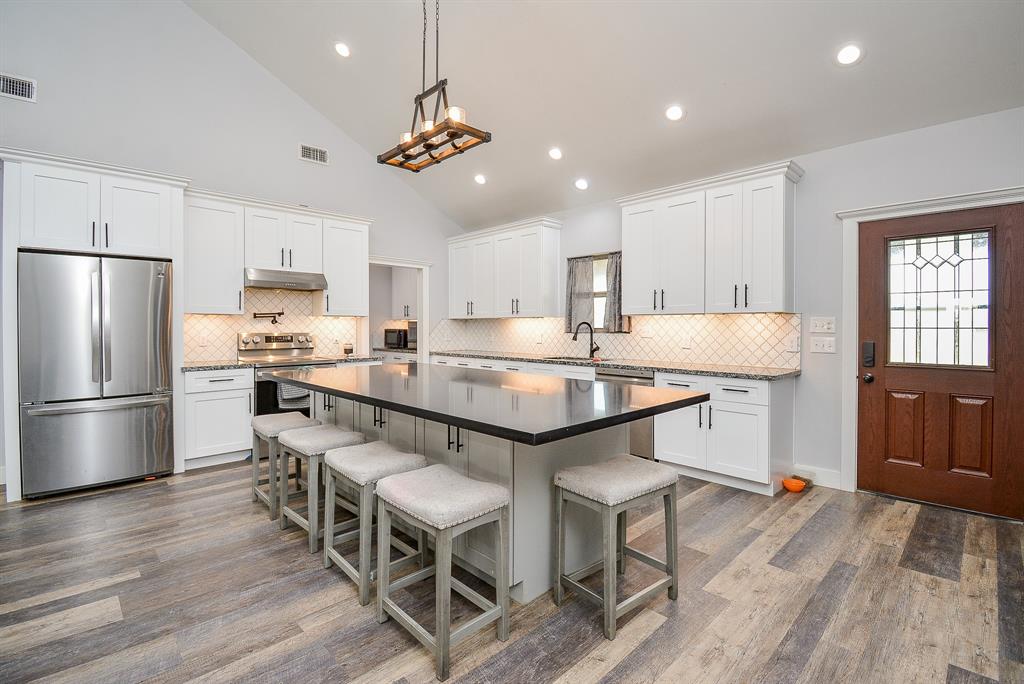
<point x="94" y="302"/>
<point x="107" y="375"/>
<point x="101" y="405"/>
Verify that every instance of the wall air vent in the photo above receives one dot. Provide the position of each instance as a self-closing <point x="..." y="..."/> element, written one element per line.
<point x="317" y="155"/>
<point x="18" y="87"/>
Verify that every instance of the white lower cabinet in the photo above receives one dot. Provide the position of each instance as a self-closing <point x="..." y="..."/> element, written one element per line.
<point x="742" y="437"/>
<point x="218" y="416"/>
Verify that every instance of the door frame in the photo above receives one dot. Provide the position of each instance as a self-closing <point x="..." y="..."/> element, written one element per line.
<point x="849" y="357"/>
<point x="423" y="302"/>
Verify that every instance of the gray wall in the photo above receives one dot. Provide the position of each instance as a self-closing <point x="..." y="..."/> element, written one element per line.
<point x="380" y="302"/>
<point x="981" y="153"/>
<point x="151" y="85"/>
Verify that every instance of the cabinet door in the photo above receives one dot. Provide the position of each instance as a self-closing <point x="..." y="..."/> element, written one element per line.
<point x="60" y="208"/>
<point x="638" y="264"/>
<point x="401" y="429"/>
<point x="460" y="276"/>
<point x="305" y="242"/>
<point x="724" y="252"/>
<point x="404" y="293"/>
<point x="680" y="436"/>
<point x="738" y="440"/>
<point x="136" y="217"/>
<point x="214" y="256"/>
<point x="488" y="459"/>
<point x="679" y="236"/>
<point x="265" y="237"/>
<point x="764" y="249"/>
<point x="218" y="422"/>
<point x="529" y="301"/>
<point x="507" y="270"/>
<point x="346" y="267"/>
<point x="482" y="290"/>
<point x="369" y="422"/>
<point x="435" y="446"/>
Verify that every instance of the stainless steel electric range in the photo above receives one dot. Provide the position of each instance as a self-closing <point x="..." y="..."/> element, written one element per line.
<point x="275" y="351"/>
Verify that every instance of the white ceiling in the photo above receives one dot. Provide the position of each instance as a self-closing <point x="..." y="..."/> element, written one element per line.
<point x="757" y="78"/>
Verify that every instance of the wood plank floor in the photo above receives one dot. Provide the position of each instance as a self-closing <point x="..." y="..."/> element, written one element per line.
<point x="185" y="578"/>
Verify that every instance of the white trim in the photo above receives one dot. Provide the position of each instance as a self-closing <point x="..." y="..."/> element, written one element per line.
<point x="545" y="221"/>
<point x="10" y="177"/>
<point x="14" y="154"/>
<point x="794" y="172"/>
<point x="850" y="365"/>
<point x="271" y="204"/>
<point x="381" y="260"/>
<point x="423" y="305"/>
<point x="826" y="477"/>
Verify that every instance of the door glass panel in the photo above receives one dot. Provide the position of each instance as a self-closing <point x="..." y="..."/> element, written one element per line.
<point x="939" y="300"/>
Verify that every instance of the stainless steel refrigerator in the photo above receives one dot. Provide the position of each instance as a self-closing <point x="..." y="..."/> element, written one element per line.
<point x="94" y="352"/>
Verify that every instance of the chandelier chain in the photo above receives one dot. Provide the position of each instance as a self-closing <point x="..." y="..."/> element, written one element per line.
<point x="423" y="74"/>
<point x="437" y="40"/>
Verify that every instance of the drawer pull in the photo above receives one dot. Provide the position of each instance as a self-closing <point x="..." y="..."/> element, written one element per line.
<point x="483" y="366"/>
<point x="737" y="390"/>
<point x="462" y="364"/>
<point x="678" y="384"/>
<point x="221" y="379"/>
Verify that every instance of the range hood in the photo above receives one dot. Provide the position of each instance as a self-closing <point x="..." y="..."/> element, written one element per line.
<point x="284" y="280"/>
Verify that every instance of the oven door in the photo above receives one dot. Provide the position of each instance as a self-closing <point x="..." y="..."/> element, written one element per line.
<point x="266" y="394"/>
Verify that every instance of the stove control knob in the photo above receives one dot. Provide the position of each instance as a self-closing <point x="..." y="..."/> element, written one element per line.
<point x="246" y="340"/>
<point x="301" y="338"/>
<point x="256" y="340"/>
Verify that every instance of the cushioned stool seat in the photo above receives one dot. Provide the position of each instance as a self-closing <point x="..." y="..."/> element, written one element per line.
<point x="618" y="479"/>
<point x="319" y="439"/>
<point x="267" y="428"/>
<point x="440" y="497"/>
<point x="369" y="462"/>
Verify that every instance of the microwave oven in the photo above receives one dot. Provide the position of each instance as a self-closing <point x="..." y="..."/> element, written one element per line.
<point x="396" y="338"/>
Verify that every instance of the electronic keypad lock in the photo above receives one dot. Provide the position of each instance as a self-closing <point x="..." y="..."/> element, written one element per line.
<point x="867" y="354"/>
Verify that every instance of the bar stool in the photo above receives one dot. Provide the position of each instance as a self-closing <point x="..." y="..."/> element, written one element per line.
<point x="310" y="444"/>
<point x="612" y="488"/>
<point x="266" y="428"/>
<point x="355" y="470"/>
<point x="444" y="504"/>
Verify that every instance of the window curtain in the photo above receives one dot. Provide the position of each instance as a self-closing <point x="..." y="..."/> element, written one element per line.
<point x="614" y="321"/>
<point x="579" y="292"/>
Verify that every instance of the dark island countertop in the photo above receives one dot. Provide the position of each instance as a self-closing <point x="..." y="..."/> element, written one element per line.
<point x="525" y="408"/>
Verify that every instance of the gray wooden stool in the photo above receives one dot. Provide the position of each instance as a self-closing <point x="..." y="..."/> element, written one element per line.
<point x="310" y="444"/>
<point x="355" y="470"/>
<point x="267" y="428"/>
<point x="445" y="504"/>
<point x="612" y="488"/>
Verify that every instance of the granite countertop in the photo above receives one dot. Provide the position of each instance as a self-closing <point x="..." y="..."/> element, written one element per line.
<point x="714" y="369"/>
<point x="388" y="350"/>
<point x="526" y="408"/>
<point x="229" y="364"/>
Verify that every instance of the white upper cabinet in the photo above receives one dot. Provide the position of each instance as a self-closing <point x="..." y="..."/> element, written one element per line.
<point x="346" y="267"/>
<point x="305" y="243"/>
<point x="266" y="232"/>
<point x="505" y="272"/>
<point x="721" y="245"/>
<point x="404" y="293"/>
<point x="81" y="210"/>
<point x="136" y="217"/>
<point x="214" y="256"/>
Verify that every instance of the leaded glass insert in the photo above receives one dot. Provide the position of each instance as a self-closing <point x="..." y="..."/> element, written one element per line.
<point x="939" y="299"/>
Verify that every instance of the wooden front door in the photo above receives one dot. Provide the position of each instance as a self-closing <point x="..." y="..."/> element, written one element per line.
<point x="941" y="401"/>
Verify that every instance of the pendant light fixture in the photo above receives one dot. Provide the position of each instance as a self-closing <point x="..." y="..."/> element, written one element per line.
<point x="430" y="141"/>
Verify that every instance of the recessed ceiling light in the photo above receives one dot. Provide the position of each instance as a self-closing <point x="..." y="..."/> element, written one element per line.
<point x="675" y="113"/>
<point x="582" y="184"/>
<point x="480" y="179"/>
<point x="849" y="54"/>
<point x="342" y="49"/>
<point x="555" y="153"/>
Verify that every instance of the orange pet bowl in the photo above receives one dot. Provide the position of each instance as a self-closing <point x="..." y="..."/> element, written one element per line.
<point x="794" y="485"/>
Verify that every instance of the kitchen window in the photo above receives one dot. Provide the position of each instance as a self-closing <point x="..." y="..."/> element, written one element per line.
<point x="594" y="293"/>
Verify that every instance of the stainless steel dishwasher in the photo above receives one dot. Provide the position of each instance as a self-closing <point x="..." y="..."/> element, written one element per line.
<point x="641" y="432"/>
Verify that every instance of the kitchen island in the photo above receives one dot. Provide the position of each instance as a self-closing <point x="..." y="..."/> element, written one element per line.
<point x="511" y="428"/>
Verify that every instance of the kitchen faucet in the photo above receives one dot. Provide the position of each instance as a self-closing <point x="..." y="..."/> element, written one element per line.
<point x="575" y="336"/>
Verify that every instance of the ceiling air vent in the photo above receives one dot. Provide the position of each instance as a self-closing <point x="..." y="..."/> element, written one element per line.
<point x="317" y="155"/>
<point x="18" y="87"/>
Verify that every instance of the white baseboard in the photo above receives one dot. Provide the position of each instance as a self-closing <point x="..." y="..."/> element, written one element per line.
<point x="216" y="459"/>
<point x="727" y="480"/>
<point x="826" y="477"/>
<point x="3" y="474"/>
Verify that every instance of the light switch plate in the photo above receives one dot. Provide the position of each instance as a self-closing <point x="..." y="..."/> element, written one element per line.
<point x="823" y="345"/>
<point x="793" y="342"/>
<point x="823" y="324"/>
<point x="685" y="341"/>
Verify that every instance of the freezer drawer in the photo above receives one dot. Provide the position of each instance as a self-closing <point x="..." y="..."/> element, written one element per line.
<point x="84" y="443"/>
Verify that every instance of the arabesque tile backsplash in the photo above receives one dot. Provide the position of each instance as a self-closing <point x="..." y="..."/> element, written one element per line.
<point x="733" y="339"/>
<point x="219" y="332"/>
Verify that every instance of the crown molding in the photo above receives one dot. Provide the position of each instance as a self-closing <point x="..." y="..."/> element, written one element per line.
<point x="793" y="172"/>
<point x="545" y="221"/>
<point x="934" y="205"/>
<point x="13" y="154"/>
<point x="269" y="204"/>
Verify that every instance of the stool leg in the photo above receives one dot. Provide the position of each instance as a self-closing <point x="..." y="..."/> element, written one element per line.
<point x="383" y="564"/>
<point x="610" y="525"/>
<point x="255" y="464"/>
<point x="313" y="502"/>
<point x="559" y="592"/>
<point x="365" y="540"/>
<point x="443" y="589"/>
<point x="273" y="449"/>
<point x="284" y="456"/>
<point x="620" y="542"/>
<point x="671" y="551"/>
<point x="424" y="548"/>
<point x="329" y="506"/>
<point x="501" y="574"/>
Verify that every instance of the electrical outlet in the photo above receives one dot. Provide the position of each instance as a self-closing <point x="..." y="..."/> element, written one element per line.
<point x="685" y="341"/>
<point x="823" y="345"/>
<point x="823" y="324"/>
<point x="204" y="341"/>
<point x="793" y="342"/>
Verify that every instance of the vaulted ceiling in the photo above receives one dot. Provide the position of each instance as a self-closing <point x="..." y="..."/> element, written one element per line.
<point x="758" y="79"/>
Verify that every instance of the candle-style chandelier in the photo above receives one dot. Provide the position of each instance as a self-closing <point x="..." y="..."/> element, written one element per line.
<point x="429" y="141"/>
